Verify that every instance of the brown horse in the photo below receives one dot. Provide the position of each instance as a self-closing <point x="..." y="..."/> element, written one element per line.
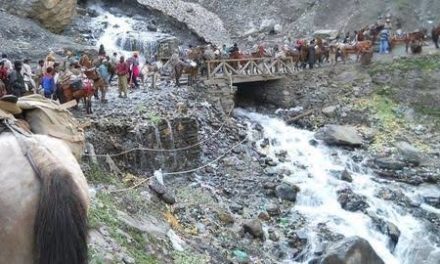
<point x="3" y="90"/>
<point x="436" y="35"/>
<point x="416" y="37"/>
<point x="98" y="83"/>
<point x="44" y="202"/>
<point x="181" y="68"/>
<point x="322" y="51"/>
<point x="68" y="93"/>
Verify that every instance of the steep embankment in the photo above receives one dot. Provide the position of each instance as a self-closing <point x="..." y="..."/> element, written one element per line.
<point x="202" y="22"/>
<point x="52" y="14"/>
<point x="301" y="17"/>
<point x="22" y="37"/>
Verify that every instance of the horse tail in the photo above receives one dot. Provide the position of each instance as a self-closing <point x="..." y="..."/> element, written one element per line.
<point x="61" y="222"/>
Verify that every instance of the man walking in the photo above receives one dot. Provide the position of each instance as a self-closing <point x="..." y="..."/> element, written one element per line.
<point x="122" y="70"/>
<point x="16" y="81"/>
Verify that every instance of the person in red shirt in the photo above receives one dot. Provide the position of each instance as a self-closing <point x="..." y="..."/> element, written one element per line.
<point x="122" y="70"/>
<point x="3" y="71"/>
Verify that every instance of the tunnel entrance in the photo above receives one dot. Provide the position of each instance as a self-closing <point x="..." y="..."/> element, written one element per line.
<point x="252" y="94"/>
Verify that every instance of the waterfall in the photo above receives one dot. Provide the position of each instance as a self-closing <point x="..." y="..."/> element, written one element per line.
<point x="122" y="34"/>
<point x="173" y="143"/>
<point x="311" y="170"/>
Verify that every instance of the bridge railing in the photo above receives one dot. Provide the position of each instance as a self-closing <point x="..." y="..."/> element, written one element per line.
<point x="250" y="67"/>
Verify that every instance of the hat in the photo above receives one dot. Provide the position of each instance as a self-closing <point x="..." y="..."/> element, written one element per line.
<point x="8" y="103"/>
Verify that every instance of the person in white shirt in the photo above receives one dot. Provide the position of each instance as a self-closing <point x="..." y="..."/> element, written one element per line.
<point x="28" y="76"/>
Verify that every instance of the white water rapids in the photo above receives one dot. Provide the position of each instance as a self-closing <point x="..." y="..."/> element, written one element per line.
<point x="317" y="200"/>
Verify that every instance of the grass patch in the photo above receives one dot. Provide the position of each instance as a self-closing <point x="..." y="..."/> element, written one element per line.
<point x="98" y="176"/>
<point x="103" y="212"/>
<point x="389" y="124"/>
<point x="424" y="63"/>
<point x="187" y="257"/>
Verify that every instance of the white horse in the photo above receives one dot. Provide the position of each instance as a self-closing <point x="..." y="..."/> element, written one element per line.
<point x="151" y="70"/>
<point x="43" y="202"/>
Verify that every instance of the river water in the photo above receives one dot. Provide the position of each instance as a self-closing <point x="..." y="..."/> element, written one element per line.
<point x="311" y="168"/>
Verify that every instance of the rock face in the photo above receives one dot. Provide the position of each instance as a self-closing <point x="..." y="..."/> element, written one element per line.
<point x="350" y="201"/>
<point x="409" y="153"/>
<point x="286" y="192"/>
<point x="22" y="37"/>
<point x="352" y="250"/>
<point x="52" y="14"/>
<point x="202" y="22"/>
<point x="339" y="135"/>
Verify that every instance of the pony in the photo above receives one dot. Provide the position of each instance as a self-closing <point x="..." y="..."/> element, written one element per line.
<point x="322" y="51"/>
<point x="69" y="92"/>
<point x="3" y="90"/>
<point x="418" y="37"/>
<point x="182" y="67"/>
<point x="44" y="202"/>
<point x="98" y="83"/>
<point x="436" y="35"/>
<point x="153" y="70"/>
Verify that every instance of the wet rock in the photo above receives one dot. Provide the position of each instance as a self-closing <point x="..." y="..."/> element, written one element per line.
<point x="352" y="250"/>
<point x="255" y="228"/>
<point x="90" y="151"/>
<point x="329" y="111"/>
<point x="313" y="142"/>
<point x="226" y="217"/>
<point x="339" y="136"/>
<point x="346" y="176"/>
<point x="273" y="235"/>
<point x="169" y="198"/>
<point x="152" y="27"/>
<point x="157" y="187"/>
<point x="389" y="163"/>
<point x="409" y="153"/>
<point x="264" y="216"/>
<point x="236" y="208"/>
<point x="163" y="193"/>
<point x="432" y="201"/>
<point x="111" y="165"/>
<point x="286" y="192"/>
<point x="273" y="209"/>
<point x="350" y="201"/>
<point x="389" y="229"/>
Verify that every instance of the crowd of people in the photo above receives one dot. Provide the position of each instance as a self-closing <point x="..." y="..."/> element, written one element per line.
<point x="50" y="74"/>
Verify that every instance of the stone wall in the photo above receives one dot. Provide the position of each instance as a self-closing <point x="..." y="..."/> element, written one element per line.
<point x="52" y="14"/>
<point x="111" y="137"/>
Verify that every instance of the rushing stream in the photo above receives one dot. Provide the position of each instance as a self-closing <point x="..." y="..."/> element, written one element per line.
<point x="311" y="168"/>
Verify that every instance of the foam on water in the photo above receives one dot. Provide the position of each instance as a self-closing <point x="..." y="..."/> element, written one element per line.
<point x="311" y="171"/>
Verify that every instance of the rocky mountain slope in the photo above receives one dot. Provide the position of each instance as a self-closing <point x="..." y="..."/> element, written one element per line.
<point x="52" y="14"/>
<point x="304" y="16"/>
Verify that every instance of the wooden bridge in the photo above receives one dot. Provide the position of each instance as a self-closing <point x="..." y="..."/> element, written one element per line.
<point x="248" y="70"/>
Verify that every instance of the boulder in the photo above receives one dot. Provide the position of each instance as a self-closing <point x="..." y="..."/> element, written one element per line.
<point x="255" y="228"/>
<point x="350" y="251"/>
<point x="389" y="229"/>
<point x="54" y="15"/>
<point x="389" y="163"/>
<point x="346" y="176"/>
<point x="408" y="152"/>
<point x="286" y="192"/>
<point x="350" y="201"/>
<point x="329" y="111"/>
<point x="339" y="135"/>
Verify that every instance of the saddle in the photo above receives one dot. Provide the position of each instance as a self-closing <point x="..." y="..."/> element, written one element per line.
<point x="44" y="117"/>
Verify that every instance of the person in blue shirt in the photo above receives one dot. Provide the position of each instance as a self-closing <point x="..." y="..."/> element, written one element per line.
<point x="48" y="83"/>
<point x="384" y="38"/>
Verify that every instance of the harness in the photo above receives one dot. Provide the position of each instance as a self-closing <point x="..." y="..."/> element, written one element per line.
<point x="24" y="140"/>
